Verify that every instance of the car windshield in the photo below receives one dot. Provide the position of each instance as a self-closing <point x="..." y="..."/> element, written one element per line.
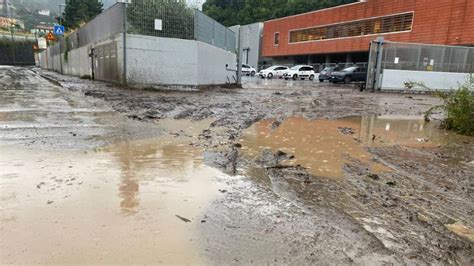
<point x="295" y="68"/>
<point x="349" y="69"/>
<point x="271" y="68"/>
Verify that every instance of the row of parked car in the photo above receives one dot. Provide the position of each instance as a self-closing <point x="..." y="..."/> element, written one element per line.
<point x="332" y="74"/>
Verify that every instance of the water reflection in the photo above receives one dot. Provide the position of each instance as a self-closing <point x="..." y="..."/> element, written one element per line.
<point x="151" y="160"/>
<point x="386" y="130"/>
<point x="325" y="146"/>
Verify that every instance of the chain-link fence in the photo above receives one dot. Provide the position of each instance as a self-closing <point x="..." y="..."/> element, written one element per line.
<point x="421" y="57"/>
<point x="174" y="19"/>
<point x="161" y="18"/>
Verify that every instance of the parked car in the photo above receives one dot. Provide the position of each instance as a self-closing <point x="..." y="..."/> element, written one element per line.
<point x="273" y="71"/>
<point x="248" y="70"/>
<point x="325" y="74"/>
<point x="300" y="72"/>
<point x="349" y="75"/>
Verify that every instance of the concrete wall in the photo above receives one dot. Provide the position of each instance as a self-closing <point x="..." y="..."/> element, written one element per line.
<point x="395" y="79"/>
<point x="168" y="61"/>
<point x="78" y="62"/>
<point x="251" y="43"/>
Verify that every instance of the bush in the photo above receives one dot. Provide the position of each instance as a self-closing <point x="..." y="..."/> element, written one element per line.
<point x="459" y="108"/>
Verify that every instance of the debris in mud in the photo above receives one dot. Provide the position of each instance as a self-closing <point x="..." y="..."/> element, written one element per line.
<point x="346" y="130"/>
<point x="49" y="202"/>
<point x="276" y="123"/>
<point x="391" y="183"/>
<point x="238" y="145"/>
<point x="422" y="140"/>
<point x="373" y="176"/>
<point x="186" y="220"/>
<point x="40" y="185"/>
<point x="222" y="191"/>
<point x="273" y="160"/>
<point x="461" y="230"/>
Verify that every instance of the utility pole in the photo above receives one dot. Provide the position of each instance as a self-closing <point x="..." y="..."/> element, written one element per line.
<point x="60" y="38"/>
<point x="239" y="57"/>
<point x="9" y="10"/>
<point x="124" y="74"/>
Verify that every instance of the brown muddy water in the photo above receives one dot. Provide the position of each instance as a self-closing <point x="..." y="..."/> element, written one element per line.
<point x="323" y="147"/>
<point x="124" y="203"/>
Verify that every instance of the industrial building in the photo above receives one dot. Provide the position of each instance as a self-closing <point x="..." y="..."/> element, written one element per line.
<point x="343" y="33"/>
<point x="251" y="37"/>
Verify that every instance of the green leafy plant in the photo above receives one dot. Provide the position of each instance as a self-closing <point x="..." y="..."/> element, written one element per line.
<point x="68" y="49"/>
<point x="458" y="106"/>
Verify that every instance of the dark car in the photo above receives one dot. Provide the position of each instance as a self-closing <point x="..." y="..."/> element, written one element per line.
<point x="325" y="74"/>
<point x="349" y="75"/>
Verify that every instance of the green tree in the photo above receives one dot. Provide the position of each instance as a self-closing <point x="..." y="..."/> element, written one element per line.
<point x="80" y="11"/>
<point x="233" y="12"/>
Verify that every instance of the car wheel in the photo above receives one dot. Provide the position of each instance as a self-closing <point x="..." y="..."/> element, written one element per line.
<point x="295" y="77"/>
<point x="347" y="80"/>
<point x="252" y="73"/>
<point x="270" y="76"/>
<point x="321" y="80"/>
<point x="311" y="77"/>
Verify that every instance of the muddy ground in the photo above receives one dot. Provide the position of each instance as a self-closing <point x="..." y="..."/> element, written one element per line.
<point x="311" y="173"/>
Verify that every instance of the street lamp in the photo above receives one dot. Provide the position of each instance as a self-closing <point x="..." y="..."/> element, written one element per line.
<point x="61" y="13"/>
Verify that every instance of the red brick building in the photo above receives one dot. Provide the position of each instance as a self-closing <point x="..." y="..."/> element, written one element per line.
<point x="343" y="33"/>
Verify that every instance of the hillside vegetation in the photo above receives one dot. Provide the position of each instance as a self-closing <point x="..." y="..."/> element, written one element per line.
<point x="242" y="12"/>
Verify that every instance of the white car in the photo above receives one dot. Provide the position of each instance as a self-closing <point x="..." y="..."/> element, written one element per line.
<point x="248" y="70"/>
<point x="300" y="72"/>
<point x="273" y="71"/>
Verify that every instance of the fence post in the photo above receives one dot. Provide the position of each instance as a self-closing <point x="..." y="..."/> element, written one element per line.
<point x="124" y="45"/>
<point x="239" y="59"/>
<point x="378" y="63"/>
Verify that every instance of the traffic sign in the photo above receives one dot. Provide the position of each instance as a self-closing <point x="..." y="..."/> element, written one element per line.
<point x="50" y="37"/>
<point x="58" y="30"/>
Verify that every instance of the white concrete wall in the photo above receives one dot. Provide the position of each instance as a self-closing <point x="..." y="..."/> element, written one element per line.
<point x="167" y="61"/>
<point x="212" y="63"/>
<point x="395" y="79"/>
<point x="154" y="60"/>
<point x="79" y="62"/>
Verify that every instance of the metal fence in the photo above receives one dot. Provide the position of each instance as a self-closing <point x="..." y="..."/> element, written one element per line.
<point x="416" y="57"/>
<point x="211" y="32"/>
<point x="420" y="57"/>
<point x="174" y="19"/>
<point x="104" y="26"/>
<point x="16" y="52"/>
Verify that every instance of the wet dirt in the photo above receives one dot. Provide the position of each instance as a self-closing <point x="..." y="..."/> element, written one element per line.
<point x="392" y="190"/>
<point x="116" y="204"/>
<point x="407" y="203"/>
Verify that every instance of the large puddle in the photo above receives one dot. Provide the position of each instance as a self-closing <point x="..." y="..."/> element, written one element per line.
<point x="131" y="202"/>
<point x="325" y="146"/>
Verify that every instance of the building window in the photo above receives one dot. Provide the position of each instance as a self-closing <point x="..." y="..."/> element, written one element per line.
<point x="388" y="24"/>
<point x="276" y="39"/>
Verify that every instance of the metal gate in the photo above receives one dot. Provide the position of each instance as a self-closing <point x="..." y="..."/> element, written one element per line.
<point x="106" y="63"/>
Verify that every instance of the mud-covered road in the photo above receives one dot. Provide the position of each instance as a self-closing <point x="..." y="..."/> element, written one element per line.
<point x="277" y="172"/>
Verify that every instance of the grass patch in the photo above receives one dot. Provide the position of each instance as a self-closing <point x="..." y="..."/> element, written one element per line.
<point x="458" y="106"/>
